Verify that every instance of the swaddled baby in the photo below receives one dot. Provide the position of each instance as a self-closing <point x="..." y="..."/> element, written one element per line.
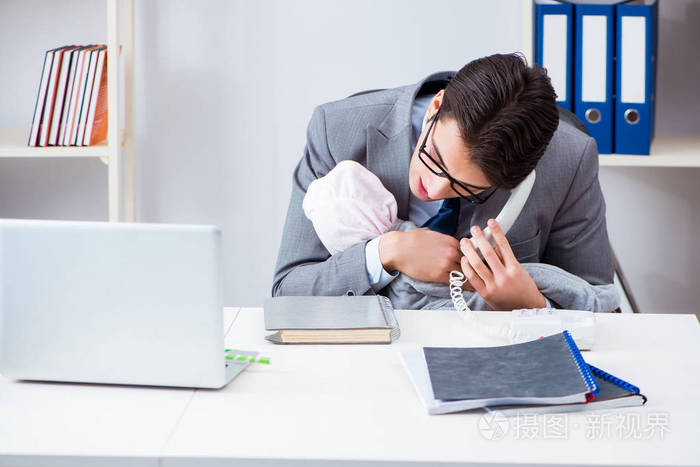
<point x="350" y="205"/>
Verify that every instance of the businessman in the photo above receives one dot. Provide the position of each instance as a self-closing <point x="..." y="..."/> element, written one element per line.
<point x="450" y="148"/>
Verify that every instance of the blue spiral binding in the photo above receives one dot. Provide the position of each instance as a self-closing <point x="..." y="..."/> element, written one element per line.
<point x="613" y="379"/>
<point x="582" y="365"/>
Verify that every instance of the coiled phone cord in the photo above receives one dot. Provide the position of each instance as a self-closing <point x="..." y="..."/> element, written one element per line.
<point x="475" y="318"/>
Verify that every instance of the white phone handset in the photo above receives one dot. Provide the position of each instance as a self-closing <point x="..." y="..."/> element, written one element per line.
<point x="510" y="212"/>
<point x="506" y="218"/>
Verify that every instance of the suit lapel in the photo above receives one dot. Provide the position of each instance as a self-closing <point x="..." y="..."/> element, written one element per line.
<point x="389" y="159"/>
<point x="389" y="144"/>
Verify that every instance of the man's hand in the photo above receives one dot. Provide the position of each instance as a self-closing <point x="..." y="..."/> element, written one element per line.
<point x="506" y="285"/>
<point x="422" y="254"/>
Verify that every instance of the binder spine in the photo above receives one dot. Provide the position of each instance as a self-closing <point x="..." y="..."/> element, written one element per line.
<point x="594" y="72"/>
<point x="582" y="365"/>
<point x="560" y="72"/>
<point x="636" y="70"/>
<point x="390" y="317"/>
<point x="613" y="379"/>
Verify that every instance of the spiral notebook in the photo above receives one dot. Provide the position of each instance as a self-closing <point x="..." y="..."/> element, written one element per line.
<point x="544" y="371"/>
<point x="331" y="320"/>
<point x="614" y="392"/>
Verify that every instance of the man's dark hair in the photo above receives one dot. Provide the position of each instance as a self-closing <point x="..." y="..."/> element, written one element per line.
<point x="506" y="113"/>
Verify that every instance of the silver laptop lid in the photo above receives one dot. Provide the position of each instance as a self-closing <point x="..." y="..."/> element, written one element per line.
<point x="103" y="302"/>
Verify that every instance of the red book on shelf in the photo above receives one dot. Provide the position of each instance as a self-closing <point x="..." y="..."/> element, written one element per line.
<point x="79" y="100"/>
<point x="41" y="98"/>
<point x="74" y="54"/>
<point x="50" y="96"/>
<point x="87" y="95"/>
<point x="60" y="99"/>
<point x="96" y="124"/>
<point x="78" y="77"/>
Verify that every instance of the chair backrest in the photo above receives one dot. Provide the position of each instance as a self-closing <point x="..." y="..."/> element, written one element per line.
<point x="628" y="302"/>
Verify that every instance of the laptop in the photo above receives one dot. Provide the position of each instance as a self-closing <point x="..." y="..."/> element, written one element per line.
<point x="115" y="303"/>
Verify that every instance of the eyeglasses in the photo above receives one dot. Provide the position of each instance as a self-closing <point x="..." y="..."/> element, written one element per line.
<point x="461" y="188"/>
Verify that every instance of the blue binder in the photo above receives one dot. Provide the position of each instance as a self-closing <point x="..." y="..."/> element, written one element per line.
<point x="594" y="64"/>
<point x="636" y="76"/>
<point x="554" y="21"/>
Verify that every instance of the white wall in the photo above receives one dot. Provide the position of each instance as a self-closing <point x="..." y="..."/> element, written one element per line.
<point x="224" y="90"/>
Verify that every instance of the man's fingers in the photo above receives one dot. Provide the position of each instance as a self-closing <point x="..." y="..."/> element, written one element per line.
<point x="475" y="261"/>
<point x="487" y="251"/>
<point x="502" y="242"/>
<point x="477" y="284"/>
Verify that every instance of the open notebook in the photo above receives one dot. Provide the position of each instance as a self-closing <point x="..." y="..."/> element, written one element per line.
<point x="545" y="371"/>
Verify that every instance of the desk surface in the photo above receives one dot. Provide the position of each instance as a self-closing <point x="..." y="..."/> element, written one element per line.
<point x="356" y="404"/>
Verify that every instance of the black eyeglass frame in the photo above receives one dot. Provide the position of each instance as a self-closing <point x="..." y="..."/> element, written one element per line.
<point x="472" y="197"/>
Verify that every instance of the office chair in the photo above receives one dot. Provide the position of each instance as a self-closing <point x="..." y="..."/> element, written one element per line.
<point x="628" y="303"/>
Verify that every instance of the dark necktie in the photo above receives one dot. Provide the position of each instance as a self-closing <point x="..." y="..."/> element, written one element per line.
<point x="446" y="219"/>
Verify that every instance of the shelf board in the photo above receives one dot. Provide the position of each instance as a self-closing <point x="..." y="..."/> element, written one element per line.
<point x="666" y="151"/>
<point x="13" y="143"/>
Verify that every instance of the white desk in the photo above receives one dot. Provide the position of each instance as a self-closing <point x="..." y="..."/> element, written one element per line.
<point x="352" y="404"/>
<point x="63" y="424"/>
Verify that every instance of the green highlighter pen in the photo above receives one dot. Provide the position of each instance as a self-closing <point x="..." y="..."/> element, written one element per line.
<point x="246" y="358"/>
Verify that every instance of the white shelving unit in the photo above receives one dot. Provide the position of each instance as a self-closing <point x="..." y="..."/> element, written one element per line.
<point x="665" y="151"/>
<point x="118" y="148"/>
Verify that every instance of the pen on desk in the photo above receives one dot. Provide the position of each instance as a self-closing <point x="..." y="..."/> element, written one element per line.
<point x="248" y="358"/>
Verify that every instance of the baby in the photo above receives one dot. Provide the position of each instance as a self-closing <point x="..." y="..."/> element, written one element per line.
<point x="350" y="205"/>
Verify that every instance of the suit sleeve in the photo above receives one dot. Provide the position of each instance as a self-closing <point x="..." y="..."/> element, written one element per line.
<point x="304" y="266"/>
<point x="578" y="240"/>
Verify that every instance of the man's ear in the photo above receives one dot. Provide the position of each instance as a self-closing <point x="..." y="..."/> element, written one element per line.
<point x="436" y="102"/>
<point x="433" y="107"/>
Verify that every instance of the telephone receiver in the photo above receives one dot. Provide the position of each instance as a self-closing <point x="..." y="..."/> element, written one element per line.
<point x="511" y="210"/>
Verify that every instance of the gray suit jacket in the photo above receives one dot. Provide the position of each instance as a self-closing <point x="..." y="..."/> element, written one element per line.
<point x="562" y="223"/>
